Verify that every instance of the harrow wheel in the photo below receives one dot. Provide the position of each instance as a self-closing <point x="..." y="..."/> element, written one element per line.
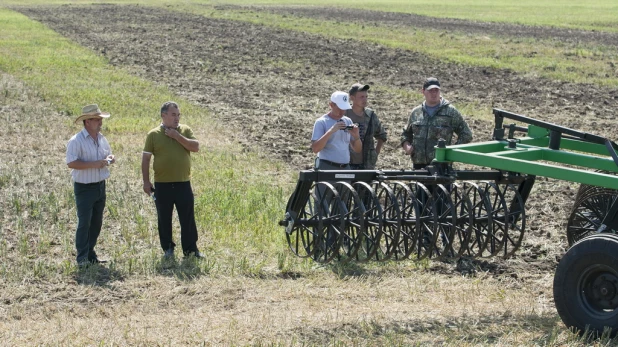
<point x="465" y="220"/>
<point x="353" y="216"/>
<point x="328" y="239"/>
<point x="391" y="222"/>
<point x="586" y="285"/>
<point x="427" y="221"/>
<point x="482" y="221"/>
<point x="301" y="233"/>
<point x="515" y="219"/>
<point x="499" y="212"/>
<point x="373" y="222"/>
<point x="444" y="228"/>
<point x="409" y="206"/>
<point x="588" y="212"/>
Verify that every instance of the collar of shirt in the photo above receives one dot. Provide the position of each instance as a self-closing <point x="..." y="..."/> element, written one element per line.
<point x="86" y="135"/>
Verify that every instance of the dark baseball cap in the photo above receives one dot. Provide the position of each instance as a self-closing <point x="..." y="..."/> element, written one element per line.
<point x="431" y="83"/>
<point x="357" y="87"/>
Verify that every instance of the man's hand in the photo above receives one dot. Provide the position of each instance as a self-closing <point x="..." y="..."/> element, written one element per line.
<point x="339" y="125"/>
<point x="173" y="133"/>
<point x="408" y="148"/>
<point x="355" y="132"/>
<point x="99" y="164"/>
<point x="147" y="188"/>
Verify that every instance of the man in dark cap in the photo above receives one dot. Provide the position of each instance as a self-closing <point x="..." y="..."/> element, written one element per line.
<point x="372" y="133"/>
<point x="434" y="119"/>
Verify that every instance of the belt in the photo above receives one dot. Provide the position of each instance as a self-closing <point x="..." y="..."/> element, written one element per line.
<point x="91" y="184"/>
<point x="357" y="166"/>
<point x="333" y="163"/>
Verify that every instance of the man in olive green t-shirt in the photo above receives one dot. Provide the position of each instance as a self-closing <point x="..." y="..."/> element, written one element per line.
<point x="171" y="145"/>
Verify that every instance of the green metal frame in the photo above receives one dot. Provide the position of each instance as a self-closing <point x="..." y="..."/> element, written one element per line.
<point x="533" y="156"/>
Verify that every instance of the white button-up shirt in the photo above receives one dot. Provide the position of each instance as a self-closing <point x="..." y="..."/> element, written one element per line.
<point x="83" y="147"/>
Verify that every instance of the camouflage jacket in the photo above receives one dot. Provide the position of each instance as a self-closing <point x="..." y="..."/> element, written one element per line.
<point x="374" y="131"/>
<point x="423" y="131"/>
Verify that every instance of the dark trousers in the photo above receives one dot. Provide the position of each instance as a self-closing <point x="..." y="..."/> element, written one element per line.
<point x="90" y="203"/>
<point x="179" y="194"/>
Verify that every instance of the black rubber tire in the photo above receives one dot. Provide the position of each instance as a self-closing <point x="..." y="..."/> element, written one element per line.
<point x="586" y="285"/>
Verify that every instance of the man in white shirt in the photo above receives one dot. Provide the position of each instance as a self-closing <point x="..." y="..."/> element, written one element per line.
<point x="334" y="135"/>
<point x="89" y="156"/>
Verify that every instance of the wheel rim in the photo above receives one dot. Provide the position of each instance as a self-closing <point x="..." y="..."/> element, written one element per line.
<point x="598" y="288"/>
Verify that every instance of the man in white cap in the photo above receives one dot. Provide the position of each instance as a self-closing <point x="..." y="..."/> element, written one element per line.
<point x="89" y="156"/>
<point x="334" y="134"/>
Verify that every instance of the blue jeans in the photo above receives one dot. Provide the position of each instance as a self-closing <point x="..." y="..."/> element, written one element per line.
<point x="90" y="203"/>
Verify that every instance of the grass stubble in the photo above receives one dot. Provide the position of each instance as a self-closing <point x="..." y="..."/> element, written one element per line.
<point x="249" y="290"/>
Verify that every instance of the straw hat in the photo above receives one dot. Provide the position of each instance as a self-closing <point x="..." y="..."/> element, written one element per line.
<point x="91" y="111"/>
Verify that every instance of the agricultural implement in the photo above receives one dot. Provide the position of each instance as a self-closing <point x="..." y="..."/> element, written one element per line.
<point x="439" y="212"/>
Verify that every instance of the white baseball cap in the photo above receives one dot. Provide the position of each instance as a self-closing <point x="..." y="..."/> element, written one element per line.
<point x="341" y="99"/>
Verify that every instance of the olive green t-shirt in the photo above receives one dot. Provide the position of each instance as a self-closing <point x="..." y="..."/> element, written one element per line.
<point x="172" y="162"/>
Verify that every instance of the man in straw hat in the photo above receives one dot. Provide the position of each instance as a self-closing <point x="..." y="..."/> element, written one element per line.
<point x="89" y="156"/>
<point x="171" y="144"/>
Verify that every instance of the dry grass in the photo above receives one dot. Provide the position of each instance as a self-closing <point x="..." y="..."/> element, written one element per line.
<point x="320" y="310"/>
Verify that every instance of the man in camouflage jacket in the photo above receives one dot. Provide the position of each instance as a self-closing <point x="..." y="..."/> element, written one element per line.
<point x="370" y="129"/>
<point x="434" y="119"/>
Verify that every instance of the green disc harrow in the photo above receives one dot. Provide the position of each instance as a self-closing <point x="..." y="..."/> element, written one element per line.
<point x="443" y="213"/>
